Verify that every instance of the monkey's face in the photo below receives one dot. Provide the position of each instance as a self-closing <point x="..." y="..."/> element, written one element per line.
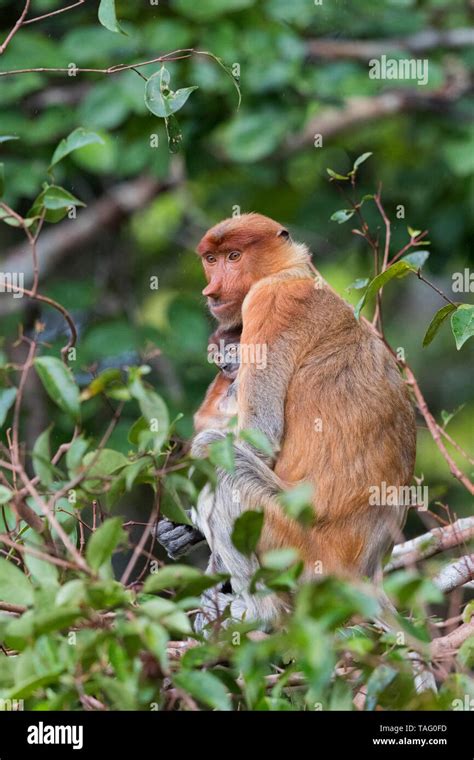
<point x="235" y="254"/>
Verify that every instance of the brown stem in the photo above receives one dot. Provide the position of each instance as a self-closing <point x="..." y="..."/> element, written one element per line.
<point x="53" y="13"/>
<point x="440" y="292"/>
<point x="18" y="24"/>
<point x="434" y="429"/>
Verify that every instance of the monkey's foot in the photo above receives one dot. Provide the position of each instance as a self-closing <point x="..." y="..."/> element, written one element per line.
<point x="177" y="539"/>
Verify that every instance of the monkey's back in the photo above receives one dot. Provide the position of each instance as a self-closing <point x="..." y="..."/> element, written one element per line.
<point x="349" y="426"/>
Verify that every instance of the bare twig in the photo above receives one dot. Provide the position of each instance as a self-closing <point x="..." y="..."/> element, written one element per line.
<point x="17" y="26"/>
<point x="434" y="430"/>
<point x="433" y="542"/>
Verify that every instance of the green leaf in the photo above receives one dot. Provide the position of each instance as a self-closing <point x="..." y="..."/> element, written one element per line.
<point x="417" y="258"/>
<point x="28" y="686"/>
<point x="6" y="138"/>
<point x="221" y="454"/>
<point x="468" y="612"/>
<point x="466" y="653"/>
<point x="360" y="160"/>
<point x="188" y="580"/>
<point x="400" y="269"/>
<point x="100" y="383"/>
<point x="246" y="532"/>
<point x="379" y="679"/>
<point x="55" y="201"/>
<point x="335" y="175"/>
<point x="462" y="324"/>
<point x="41" y="457"/>
<point x="437" y="321"/>
<point x="108" y="16"/>
<point x="107" y="462"/>
<point x="279" y="559"/>
<point x="173" y="133"/>
<point x="358" y="284"/>
<point x="413" y="233"/>
<point x="104" y="541"/>
<point x="7" y="398"/>
<point x="2" y="179"/>
<point x="154" y="410"/>
<point x="15" y="587"/>
<point x="5" y="494"/>
<point x="205" y="687"/>
<point x="43" y="572"/>
<point x="132" y="471"/>
<point x="77" y="139"/>
<point x="162" y="101"/>
<point x="448" y="416"/>
<point x="172" y="504"/>
<point x="257" y="439"/>
<point x="297" y="503"/>
<point x="75" y="454"/>
<point x="343" y="215"/>
<point x="59" y="384"/>
<point x="12" y="222"/>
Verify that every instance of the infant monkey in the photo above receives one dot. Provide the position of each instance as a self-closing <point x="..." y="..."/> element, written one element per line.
<point x="218" y="407"/>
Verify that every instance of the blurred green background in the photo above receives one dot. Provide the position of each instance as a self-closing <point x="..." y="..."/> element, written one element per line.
<point x="259" y="158"/>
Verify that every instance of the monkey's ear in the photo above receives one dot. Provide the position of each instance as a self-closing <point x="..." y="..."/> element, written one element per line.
<point x="284" y="234"/>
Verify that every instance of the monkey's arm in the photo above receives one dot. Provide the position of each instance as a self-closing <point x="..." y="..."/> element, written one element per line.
<point x="272" y="338"/>
<point x="273" y="331"/>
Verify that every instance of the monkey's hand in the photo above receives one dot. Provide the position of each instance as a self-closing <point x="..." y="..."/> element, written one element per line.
<point x="177" y="539"/>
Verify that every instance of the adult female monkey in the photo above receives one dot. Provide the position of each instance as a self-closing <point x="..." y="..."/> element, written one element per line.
<point x="330" y="400"/>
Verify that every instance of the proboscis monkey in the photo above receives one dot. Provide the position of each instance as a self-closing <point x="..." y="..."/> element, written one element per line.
<point x="330" y="400"/>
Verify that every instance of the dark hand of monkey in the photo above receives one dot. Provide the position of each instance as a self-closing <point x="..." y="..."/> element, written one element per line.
<point x="177" y="539"/>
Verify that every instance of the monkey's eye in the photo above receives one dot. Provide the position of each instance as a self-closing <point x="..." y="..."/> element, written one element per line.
<point x="210" y="258"/>
<point x="234" y="256"/>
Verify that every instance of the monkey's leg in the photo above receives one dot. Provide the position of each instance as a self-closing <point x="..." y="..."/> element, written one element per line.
<point x="178" y="539"/>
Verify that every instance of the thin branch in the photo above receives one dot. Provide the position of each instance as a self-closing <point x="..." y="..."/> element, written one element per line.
<point x="143" y="539"/>
<point x="433" y="542"/>
<point x="175" y="55"/>
<point x="433" y="428"/>
<point x="412" y="242"/>
<point x="456" y="445"/>
<point x="431" y="285"/>
<point x="27" y="549"/>
<point x="455" y="574"/>
<point x="447" y="646"/>
<point x="53" y="13"/>
<point x="17" y="26"/>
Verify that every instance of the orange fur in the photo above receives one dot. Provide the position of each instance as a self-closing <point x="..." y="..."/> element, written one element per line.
<point x="342" y="375"/>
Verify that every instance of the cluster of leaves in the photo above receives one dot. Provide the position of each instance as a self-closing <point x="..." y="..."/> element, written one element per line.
<point x="462" y="314"/>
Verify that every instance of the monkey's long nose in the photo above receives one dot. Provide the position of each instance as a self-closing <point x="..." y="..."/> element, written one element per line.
<point x="212" y="289"/>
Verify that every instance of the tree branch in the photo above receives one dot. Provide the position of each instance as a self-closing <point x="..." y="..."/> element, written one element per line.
<point x="62" y="239"/>
<point x="455" y="574"/>
<point x="433" y="542"/>
<point x="364" y="50"/>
